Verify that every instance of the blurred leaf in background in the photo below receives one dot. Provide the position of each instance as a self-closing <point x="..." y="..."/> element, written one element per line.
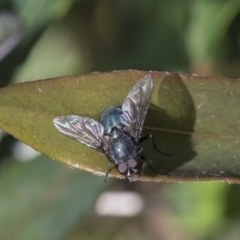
<point x="207" y="29"/>
<point x="43" y="199"/>
<point x="11" y="31"/>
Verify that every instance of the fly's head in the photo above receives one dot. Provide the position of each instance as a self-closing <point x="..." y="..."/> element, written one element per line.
<point x="131" y="169"/>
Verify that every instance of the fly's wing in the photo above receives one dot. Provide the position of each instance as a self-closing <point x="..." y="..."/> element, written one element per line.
<point x="135" y="107"/>
<point x="84" y="130"/>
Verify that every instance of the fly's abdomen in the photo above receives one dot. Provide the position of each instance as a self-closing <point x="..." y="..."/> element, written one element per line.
<point x="111" y="118"/>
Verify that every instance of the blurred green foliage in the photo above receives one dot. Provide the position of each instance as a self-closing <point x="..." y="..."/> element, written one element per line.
<point x="45" y="200"/>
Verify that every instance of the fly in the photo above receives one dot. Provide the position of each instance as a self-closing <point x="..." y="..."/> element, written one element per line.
<point x="117" y="135"/>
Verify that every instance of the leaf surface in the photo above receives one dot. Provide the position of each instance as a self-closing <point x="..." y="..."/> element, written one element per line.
<point x="195" y="118"/>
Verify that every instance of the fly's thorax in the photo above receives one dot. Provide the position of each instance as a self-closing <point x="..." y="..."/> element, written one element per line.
<point x="111" y="118"/>
<point x="116" y="133"/>
<point x="122" y="146"/>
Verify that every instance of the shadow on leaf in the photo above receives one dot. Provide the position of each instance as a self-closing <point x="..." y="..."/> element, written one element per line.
<point x="172" y="124"/>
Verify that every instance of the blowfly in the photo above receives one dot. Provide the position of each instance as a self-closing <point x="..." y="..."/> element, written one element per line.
<point x="117" y="135"/>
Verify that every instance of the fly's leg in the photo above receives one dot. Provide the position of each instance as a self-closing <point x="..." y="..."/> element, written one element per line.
<point x="149" y="165"/>
<point x="110" y="168"/>
<point x="153" y="143"/>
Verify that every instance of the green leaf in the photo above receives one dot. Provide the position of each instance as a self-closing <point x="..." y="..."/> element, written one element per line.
<point x="194" y="118"/>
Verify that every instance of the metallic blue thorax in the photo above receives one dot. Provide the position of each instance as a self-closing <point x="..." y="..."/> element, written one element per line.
<point x="122" y="146"/>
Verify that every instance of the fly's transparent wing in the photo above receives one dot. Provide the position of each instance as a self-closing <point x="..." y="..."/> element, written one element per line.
<point x="136" y="105"/>
<point x="84" y="130"/>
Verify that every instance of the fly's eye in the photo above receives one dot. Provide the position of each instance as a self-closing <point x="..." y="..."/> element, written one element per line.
<point x="122" y="168"/>
<point x="132" y="163"/>
<point x="135" y="165"/>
